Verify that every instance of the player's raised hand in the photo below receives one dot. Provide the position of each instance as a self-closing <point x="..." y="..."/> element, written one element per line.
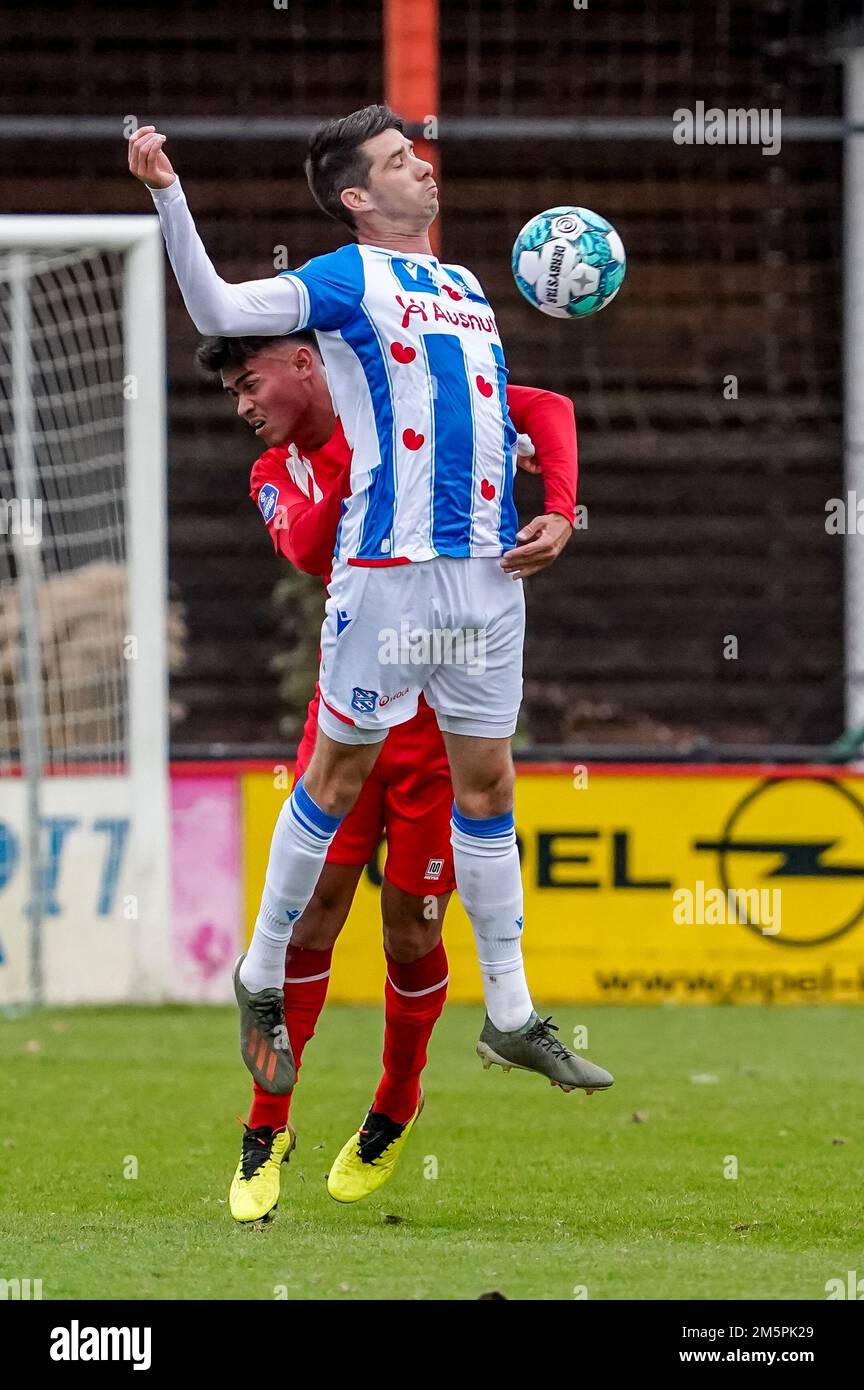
<point x="147" y="160"/>
<point x="540" y="542"/>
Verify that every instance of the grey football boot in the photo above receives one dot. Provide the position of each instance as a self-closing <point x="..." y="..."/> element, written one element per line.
<point x="533" y="1047"/>
<point x="264" y="1043"/>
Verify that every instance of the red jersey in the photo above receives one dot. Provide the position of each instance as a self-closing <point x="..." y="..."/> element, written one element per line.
<point x="300" y="496"/>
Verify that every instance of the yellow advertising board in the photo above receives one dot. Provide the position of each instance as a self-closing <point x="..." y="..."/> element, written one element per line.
<point x="650" y="883"/>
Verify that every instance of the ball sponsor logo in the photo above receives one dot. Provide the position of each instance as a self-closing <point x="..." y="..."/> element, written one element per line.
<point x="556" y="260"/>
<point x="567" y="226"/>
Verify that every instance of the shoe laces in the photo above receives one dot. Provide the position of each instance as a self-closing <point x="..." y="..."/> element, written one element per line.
<point x="270" y="1013"/>
<point x="541" y="1034"/>
<point x="257" y="1148"/>
<point x="376" y="1136"/>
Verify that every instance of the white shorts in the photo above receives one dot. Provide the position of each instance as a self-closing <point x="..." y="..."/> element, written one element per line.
<point x="451" y="628"/>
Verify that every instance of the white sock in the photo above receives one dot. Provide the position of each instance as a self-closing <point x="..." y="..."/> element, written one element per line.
<point x="489" y="881"/>
<point x="298" y="849"/>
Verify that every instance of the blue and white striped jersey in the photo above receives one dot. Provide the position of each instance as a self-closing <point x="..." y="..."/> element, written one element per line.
<point x="417" y="375"/>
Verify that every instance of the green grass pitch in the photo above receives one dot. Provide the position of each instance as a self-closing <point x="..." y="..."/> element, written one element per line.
<point x="538" y="1195"/>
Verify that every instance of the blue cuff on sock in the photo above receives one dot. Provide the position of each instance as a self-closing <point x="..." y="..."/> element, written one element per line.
<point x="486" y="828"/>
<point x="311" y="811"/>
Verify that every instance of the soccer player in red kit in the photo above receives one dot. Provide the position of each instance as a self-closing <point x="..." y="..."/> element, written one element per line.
<point x="299" y="485"/>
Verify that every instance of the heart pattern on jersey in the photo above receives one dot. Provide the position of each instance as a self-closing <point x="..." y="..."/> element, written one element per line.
<point x="484" y="387"/>
<point x="454" y="294"/>
<point x="487" y="489"/>
<point x="412" y="440"/>
<point x="402" y="352"/>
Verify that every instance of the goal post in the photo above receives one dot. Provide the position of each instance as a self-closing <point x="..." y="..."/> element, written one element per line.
<point x="84" y="794"/>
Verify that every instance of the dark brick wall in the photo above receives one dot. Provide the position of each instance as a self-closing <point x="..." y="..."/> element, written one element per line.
<point x="706" y="515"/>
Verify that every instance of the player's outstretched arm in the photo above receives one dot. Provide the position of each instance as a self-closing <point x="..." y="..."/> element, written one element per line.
<point x="255" y="307"/>
<point x="549" y="421"/>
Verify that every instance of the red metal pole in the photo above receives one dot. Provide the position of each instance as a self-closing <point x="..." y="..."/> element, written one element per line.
<point x="411" y="75"/>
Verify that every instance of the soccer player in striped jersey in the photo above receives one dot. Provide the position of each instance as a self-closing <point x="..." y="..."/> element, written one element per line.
<point x="299" y="484"/>
<point x="416" y="371"/>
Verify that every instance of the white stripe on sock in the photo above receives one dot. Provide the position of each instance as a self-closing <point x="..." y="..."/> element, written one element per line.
<point x="416" y="993"/>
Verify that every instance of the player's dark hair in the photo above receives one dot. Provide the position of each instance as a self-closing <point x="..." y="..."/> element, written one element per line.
<point x="336" y="161"/>
<point x="213" y="355"/>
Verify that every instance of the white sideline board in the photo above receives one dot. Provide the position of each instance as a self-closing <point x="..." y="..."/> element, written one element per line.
<point x="105" y="923"/>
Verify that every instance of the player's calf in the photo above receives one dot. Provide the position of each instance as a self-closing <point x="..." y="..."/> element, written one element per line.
<point x="301" y="838"/>
<point x="414" y="996"/>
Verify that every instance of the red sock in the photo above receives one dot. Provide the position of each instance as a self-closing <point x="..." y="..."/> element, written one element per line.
<point x="413" y="999"/>
<point x="307" y="974"/>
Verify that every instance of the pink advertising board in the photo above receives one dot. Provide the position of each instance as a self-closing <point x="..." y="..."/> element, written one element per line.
<point x="207" y="890"/>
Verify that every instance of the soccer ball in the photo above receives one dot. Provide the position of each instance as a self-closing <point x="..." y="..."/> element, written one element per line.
<point x="568" y="262"/>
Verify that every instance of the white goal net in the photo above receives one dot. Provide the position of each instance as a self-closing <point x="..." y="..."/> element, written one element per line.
<point x="84" y="842"/>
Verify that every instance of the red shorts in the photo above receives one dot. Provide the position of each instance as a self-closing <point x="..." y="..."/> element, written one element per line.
<point x="407" y="797"/>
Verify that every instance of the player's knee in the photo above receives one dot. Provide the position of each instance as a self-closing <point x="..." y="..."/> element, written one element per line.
<point x="412" y="925"/>
<point x="336" y="792"/>
<point x="411" y="939"/>
<point x="319" y="925"/>
<point x="334" y="782"/>
<point x="489" y="793"/>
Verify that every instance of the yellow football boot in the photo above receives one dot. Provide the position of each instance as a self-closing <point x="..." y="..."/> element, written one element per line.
<point x="369" y="1158"/>
<point x="255" y="1187"/>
